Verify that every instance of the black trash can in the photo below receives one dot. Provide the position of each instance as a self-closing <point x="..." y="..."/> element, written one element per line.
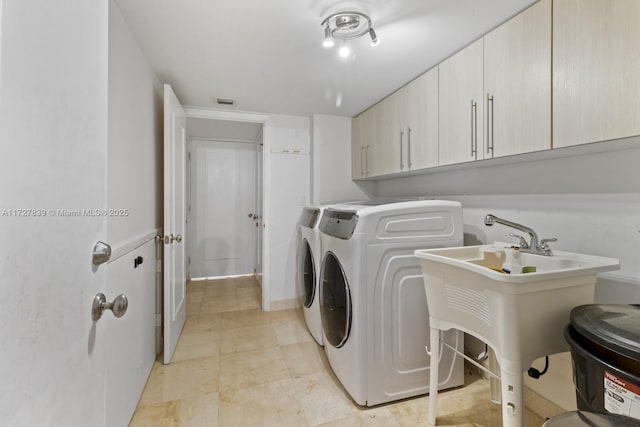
<point x="605" y="352"/>
<point x="590" y="419"/>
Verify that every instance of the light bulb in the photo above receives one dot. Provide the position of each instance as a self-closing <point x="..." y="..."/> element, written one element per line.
<point x="375" y="41"/>
<point x="328" y="40"/>
<point x="344" y="51"/>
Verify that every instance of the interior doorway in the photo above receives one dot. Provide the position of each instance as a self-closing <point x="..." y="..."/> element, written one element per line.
<point x="225" y="198"/>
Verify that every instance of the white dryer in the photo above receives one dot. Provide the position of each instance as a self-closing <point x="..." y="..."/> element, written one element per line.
<point x="308" y="268"/>
<point x="372" y="300"/>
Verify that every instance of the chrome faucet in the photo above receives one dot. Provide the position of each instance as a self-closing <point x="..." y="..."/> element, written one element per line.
<point x="535" y="246"/>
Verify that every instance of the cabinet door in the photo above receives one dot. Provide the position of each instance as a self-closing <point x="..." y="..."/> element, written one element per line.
<point x="389" y="156"/>
<point x="517" y="84"/>
<point x="357" y="148"/>
<point x="596" y="63"/>
<point x="461" y="122"/>
<point x="422" y="121"/>
<point x="370" y="137"/>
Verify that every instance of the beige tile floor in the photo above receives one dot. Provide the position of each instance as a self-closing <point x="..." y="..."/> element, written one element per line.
<point x="236" y="365"/>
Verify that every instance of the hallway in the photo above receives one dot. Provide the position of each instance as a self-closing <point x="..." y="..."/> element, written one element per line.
<point x="236" y="365"/>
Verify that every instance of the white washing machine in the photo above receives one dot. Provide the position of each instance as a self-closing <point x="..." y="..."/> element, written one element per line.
<point x="372" y="300"/>
<point x="309" y="258"/>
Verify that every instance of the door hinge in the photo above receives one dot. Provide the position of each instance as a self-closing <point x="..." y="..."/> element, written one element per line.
<point x="189" y="261"/>
<point x="158" y="319"/>
<point x="158" y="266"/>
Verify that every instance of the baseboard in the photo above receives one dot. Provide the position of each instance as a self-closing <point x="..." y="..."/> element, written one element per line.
<point x="532" y="400"/>
<point x="540" y="405"/>
<point x="285" y="304"/>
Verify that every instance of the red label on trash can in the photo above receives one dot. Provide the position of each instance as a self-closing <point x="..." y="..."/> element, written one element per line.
<point x="621" y="396"/>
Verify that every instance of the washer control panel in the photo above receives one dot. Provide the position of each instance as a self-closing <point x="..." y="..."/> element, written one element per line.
<point x="337" y="223"/>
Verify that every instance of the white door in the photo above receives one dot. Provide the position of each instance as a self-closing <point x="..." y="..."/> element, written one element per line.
<point x="258" y="221"/>
<point x="175" y="148"/>
<point x="131" y="347"/>
<point x="223" y="207"/>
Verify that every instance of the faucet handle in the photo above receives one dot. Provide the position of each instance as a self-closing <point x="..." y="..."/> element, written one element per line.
<point x="544" y="244"/>
<point x="523" y="242"/>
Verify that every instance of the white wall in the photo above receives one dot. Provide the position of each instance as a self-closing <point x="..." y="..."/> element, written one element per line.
<point x="288" y="190"/>
<point x="135" y="136"/>
<point x="331" y="161"/>
<point x="134" y="183"/>
<point x="590" y="202"/>
<point x="53" y="155"/>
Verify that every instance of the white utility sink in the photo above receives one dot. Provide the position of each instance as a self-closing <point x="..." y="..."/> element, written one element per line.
<point x="490" y="260"/>
<point x="521" y="316"/>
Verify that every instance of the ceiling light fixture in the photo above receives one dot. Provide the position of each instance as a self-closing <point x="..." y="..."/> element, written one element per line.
<point x="347" y="26"/>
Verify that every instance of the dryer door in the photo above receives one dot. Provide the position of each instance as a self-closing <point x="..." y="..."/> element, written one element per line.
<point x="335" y="301"/>
<point x="306" y="274"/>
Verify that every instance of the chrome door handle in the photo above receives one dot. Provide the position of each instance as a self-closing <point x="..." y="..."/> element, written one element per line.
<point x="171" y="238"/>
<point x="118" y="307"/>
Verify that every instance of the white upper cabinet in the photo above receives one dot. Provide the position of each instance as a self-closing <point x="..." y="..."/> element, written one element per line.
<point x="517" y="84"/>
<point x="461" y="124"/>
<point x="407" y="129"/>
<point x="560" y="73"/>
<point x="596" y="70"/>
<point x="365" y="136"/>
<point x="389" y="153"/>
<point x="421" y="122"/>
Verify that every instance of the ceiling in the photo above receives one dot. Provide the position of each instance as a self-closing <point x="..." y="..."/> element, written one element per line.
<point x="267" y="55"/>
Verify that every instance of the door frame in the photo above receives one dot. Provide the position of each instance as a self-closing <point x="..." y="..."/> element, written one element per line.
<point x="264" y="119"/>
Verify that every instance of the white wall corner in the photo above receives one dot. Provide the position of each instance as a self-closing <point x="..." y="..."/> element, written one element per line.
<point x="331" y="160"/>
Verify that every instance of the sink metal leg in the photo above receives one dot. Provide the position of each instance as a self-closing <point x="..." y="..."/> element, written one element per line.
<point x="433" y="374"/>
<point x="512" y="401"/>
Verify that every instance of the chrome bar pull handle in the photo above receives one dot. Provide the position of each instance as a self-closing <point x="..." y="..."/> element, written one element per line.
<point x="471" y="128"/>
<point x="401" y="137"/>
<point x="118" y="306"/>
<point x="474" y="129"/>
<point x="490" y="124"/>
<point x="362" y="161"/>
<point x="366" y="161"/>
<point x="409" y="146"/>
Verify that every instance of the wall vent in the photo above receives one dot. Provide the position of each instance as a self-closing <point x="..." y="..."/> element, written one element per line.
<point x="224" y="101"/>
